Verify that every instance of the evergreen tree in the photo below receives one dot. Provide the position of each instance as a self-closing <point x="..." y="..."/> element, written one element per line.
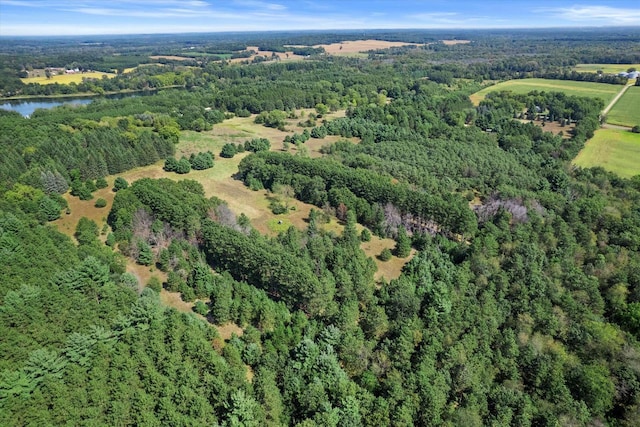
<point x="403" y="243"/>
<point x="145" y="256"/>
<point x="49" y="209"/>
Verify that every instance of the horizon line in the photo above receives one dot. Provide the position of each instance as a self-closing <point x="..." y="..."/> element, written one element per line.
<point x="342" y="30"/>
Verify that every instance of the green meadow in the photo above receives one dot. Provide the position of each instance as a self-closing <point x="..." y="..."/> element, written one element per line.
<point x="626" y="111"/>
<point x="605" y="68"/>
<point x="604" y="91"/>
<point x="614" y="149"/>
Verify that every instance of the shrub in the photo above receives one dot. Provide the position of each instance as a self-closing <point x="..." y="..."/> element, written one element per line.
<point x="201" y="161"/>
<point x="100" y="203"/>
<point x="90" y="185"/>
<point x="201" y="308"/>
<point x="365" y="236"/>
<point x="243" y="112"/>
<point x="255" y="184"/>
<point x="155" y="284"/>
<point x="101" y="183"/>
<point x="635" y="129"/>
<point x="257" y="144"/>
<point x="228" y="151"/>
<point x="182" y="166"/>
<point x="277" y="207"/>
<point x="385" y="255"/>
<point x="120" y="184"/>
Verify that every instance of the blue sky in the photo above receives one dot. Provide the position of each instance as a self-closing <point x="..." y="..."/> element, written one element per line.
<point x="72" y="17"/>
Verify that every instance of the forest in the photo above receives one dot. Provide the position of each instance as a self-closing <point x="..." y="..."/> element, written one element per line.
<point x="518" y="303"/>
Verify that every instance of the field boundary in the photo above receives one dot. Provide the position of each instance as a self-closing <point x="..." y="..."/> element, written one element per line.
<point x="616" y="99"/>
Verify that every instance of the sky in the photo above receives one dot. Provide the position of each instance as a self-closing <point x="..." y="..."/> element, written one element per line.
<point x="83" y="17"/>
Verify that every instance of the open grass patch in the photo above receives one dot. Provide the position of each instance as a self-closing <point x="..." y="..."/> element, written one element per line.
<point x="85" y="208"/>
<point x="626" y="111"/>
<point x="615" y="150"/>
<point x="65" y="79"/>
<point x="604" y="91"/>
<point x="605" y="68"/>
<point x="278" y="225"/>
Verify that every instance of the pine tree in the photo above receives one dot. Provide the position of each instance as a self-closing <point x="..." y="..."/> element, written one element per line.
<point x="49" y="209"/>
<point x="145" y="256"/>
<point x="403" y="243"/>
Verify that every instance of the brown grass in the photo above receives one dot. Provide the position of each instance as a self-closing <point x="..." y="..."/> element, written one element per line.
<point x="553" y="127"/>
<point x="174" y="300"/>
<point x="387" y="270"/>
<point x="79" y="208"/>
<point x="357" y="46"/>
<point x="227" y="330"/>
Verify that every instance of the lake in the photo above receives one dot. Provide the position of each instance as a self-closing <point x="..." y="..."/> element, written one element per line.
<point x="27" y="107"/>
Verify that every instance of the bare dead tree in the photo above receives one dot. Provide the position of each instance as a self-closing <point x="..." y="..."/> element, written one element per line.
<point x="142" y="222"/>
<point x="392" y="220"/>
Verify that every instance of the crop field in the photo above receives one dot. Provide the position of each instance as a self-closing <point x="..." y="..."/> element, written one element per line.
<point x="604" y="91"/>
<point x="615" y="150"/>
<point x="605" y="68"/>
<point x="626" y="111"/>
<point x="355" y="47"/>
<point x="65" y="79"/>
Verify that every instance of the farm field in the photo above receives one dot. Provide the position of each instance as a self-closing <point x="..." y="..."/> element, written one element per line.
<point x="353" y="48"/>
<point x="615" y="150"/>
<point x="604" y="91"/>
<point x="605" y="68"/>
<point x="65" y="79"/>
<point x="626" y="112"/>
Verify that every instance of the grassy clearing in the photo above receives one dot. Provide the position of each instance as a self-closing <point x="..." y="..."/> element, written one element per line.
<point x="615" y="150"/>
<point x="605" y="68"/>
<point x="626" y="111"/>
<point x="79" y="208"/>
<point x="219" y="181"/>
<point x="604" y="91"/>
<point x="66" y="79"/>
<point x="553" y="127"/>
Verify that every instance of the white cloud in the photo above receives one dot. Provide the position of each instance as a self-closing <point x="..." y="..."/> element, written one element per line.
<point x="158" y="13"/>
<point x="454" y="20"/>
<point x="259" y="4"/>
<point x="18" y="3"/>
<point x="603" y="15"/>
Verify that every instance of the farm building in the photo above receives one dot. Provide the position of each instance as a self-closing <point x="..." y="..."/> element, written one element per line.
<point x="631" y="75"/>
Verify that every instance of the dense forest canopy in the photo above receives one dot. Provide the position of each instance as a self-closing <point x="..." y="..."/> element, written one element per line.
<point x="519" y="303"/>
